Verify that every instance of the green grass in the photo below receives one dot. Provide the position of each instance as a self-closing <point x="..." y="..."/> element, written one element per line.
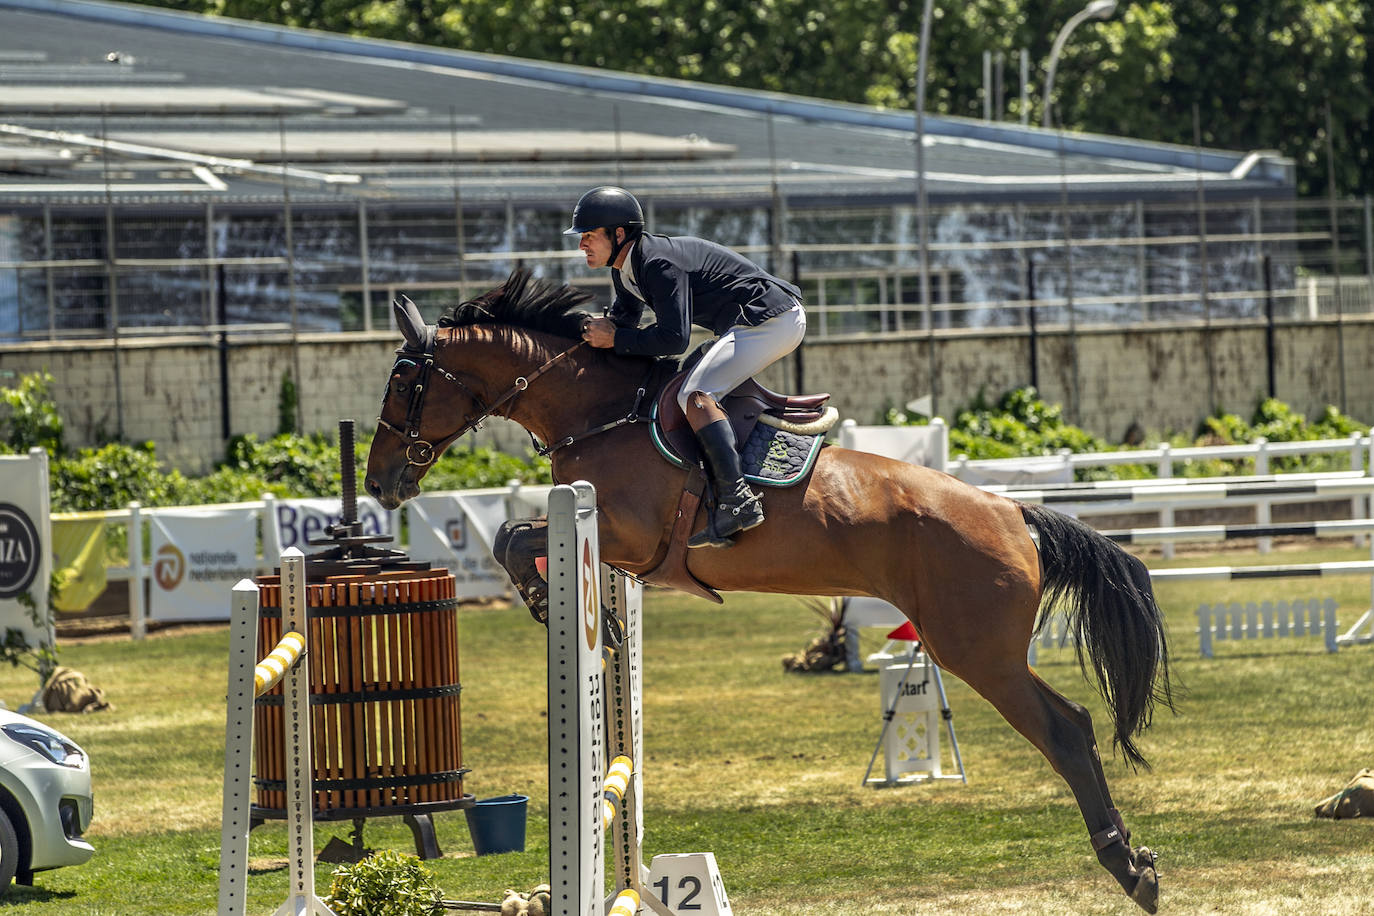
<point x="763" y="769"/>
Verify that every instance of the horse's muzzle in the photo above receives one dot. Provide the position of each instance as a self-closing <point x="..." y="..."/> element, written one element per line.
<point x="403" y="490"/>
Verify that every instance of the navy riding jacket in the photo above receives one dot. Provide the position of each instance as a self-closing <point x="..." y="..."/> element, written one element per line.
<point x="686" y="281"/>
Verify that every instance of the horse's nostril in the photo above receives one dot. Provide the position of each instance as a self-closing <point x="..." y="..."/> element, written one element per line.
<point x="372" y="487"/>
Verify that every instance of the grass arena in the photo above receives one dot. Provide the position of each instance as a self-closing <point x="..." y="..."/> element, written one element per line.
<point x="764" y="768"/>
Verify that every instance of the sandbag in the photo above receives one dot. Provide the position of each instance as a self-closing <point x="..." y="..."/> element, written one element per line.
<point x="1355" y="800"/>
<point x="67" y="690"/>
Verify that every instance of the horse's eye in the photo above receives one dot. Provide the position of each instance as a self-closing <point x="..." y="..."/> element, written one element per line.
<point x="402" y="387"/>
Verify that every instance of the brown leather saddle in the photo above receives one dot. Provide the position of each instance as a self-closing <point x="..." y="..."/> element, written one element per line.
<point x="746" y="406"/>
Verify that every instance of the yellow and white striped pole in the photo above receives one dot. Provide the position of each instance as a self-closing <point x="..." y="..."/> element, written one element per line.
<point x="627" y="904"/>
<point x="616" y="784"/>
<point x="270" y="670"/>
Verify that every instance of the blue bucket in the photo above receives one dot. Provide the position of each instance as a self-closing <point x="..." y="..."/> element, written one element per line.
<point x="498" y="824"/>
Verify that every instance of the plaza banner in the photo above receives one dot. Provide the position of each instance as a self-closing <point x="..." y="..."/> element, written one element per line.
<point x="25" y="547"/>
<point x="455" y="530"/>
<point x="198" y="556"/>
<point x="300" y="521"/>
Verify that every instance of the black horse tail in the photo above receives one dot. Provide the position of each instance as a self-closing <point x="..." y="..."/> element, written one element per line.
<point x="1111" y="610"/>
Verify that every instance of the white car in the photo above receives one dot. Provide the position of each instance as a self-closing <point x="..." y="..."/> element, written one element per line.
<point x="45" y="799"/>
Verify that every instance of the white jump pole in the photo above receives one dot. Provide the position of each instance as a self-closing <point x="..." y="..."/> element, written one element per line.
<point x="577" y="735"/>
<point x="249" y="677"/>
<point x="595" y="716"/>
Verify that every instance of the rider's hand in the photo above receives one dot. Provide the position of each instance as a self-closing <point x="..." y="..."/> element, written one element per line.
<point x="599" y="332"/>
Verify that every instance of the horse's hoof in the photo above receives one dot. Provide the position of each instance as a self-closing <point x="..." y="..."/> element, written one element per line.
<point x="1143" y="857"/>
<point x="1146" y="890"/>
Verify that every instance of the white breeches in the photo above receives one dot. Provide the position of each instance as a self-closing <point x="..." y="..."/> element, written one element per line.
<point x="743" y="352"/>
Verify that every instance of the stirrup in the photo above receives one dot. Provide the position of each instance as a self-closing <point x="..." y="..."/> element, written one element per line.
<point x="612" y="631"/>
<point x="709" y="536"/>
<point x="728" y="507"/>
<point x="535" y="593"/>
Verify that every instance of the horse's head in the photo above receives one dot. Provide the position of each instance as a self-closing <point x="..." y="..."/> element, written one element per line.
<point x="414" y="429"/>
<point x="405" y="447"/>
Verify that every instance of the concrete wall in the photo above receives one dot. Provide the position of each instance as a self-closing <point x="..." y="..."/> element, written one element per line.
<point x="1157" y="377"/>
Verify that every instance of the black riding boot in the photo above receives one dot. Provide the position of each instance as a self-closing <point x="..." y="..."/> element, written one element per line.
<point x="737" y="507"/>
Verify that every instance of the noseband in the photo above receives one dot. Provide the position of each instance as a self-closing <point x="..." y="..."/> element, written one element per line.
<point x="421" y="453"/>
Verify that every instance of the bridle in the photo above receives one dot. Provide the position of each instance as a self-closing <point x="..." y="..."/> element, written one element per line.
<point x="421" y="453"/>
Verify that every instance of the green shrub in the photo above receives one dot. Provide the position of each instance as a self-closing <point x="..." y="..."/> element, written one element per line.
<point x="1020" y="424"/>
<point x="112" y="476"/>
<point x="1017" y="425"/>
<point x="302" y="465"/>
<point x="1277" y="422"/>
<point x="473" y="468"/>
<point x="386" y="883"/>
<point x="31" y="418"/>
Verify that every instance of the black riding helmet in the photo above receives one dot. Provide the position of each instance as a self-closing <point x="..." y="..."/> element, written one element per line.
<point x="610" y="209"/>
<point x="606" y="207"/>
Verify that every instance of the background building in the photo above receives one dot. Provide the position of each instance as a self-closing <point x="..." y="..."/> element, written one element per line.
<point x="168" y="178"/>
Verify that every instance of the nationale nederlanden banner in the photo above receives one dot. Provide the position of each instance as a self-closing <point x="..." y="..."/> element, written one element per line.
<point x="198" y="556"/>
<point x="456" y="530"/>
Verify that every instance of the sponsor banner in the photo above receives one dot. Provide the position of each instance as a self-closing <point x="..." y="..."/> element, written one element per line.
<point x="25" y="546"/>
<point x="300" y="521"/>
<point x="455" y="530"/>
<point x="923" y="445"/>
<point x="1026" y="472"/>
<point x="198" y="556"/>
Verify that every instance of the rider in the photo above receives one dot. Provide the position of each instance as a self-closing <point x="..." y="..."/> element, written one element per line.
<point x="758" y="319"/>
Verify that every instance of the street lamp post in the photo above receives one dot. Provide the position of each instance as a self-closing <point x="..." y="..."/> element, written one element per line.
<point x="923" y="203"/>
<point x="1097" y="9"/>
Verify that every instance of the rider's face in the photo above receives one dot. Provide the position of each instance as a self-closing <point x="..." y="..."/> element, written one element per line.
<point x="596" y="246"/>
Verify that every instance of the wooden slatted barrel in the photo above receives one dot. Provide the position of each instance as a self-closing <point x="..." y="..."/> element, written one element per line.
<point x="386" y="732"/>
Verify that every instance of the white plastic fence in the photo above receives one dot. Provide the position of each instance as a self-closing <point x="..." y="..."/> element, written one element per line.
<point x="1268" y="620"/>
<point x="1163" y="458"/>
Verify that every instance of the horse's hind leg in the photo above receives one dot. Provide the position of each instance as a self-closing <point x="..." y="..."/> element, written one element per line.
<point x="1141" y="856"/>
<point x="1062" y="731"/>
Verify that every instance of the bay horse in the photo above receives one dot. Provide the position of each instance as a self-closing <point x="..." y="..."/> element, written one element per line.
<point x="959" y="562"/>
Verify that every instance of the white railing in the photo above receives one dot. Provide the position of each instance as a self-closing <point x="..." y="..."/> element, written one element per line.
<point x="525" y="501"/>
<point x="1163" y="458"/>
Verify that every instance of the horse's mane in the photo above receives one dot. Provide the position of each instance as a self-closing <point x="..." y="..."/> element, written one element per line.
<point x="524" y="302"/>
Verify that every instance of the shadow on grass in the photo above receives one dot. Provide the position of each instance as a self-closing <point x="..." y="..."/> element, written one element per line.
<point x="20" y="895"/>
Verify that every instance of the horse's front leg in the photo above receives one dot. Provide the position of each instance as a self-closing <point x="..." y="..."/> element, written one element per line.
<point x="518" y="546"/>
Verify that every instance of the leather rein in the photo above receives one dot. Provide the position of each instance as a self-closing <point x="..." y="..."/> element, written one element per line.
<point x="420" y="452"/>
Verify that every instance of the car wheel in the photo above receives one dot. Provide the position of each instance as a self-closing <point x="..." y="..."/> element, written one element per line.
<point x="9" y="853"/>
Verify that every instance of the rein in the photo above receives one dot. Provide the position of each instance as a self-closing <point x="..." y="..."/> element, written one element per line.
<point x="420" y="452"/>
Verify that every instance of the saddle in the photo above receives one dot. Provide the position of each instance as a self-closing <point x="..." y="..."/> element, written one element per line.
<point x="781" y="437"/>
<point x="778" y="455"/>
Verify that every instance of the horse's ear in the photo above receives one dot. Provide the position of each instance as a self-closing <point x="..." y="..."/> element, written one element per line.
<point x="411" y="323"/>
